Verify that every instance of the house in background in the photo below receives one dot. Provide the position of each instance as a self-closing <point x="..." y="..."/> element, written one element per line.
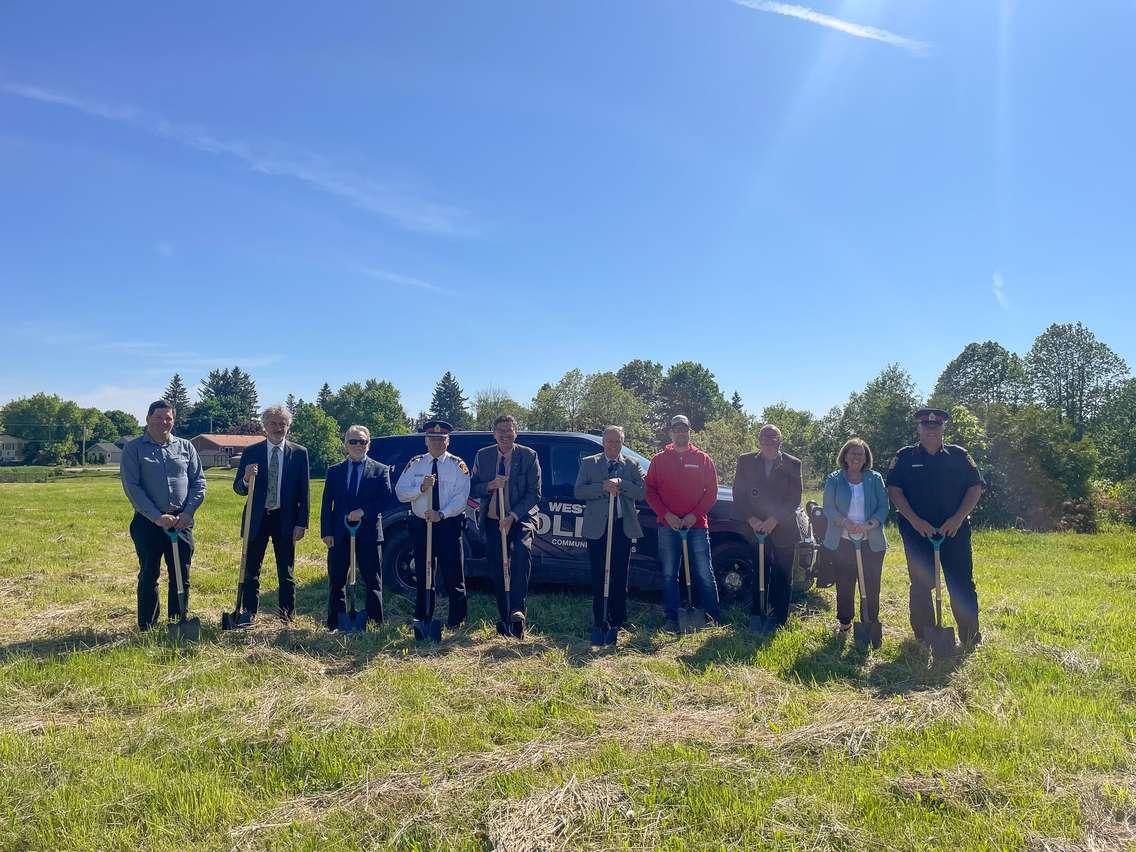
<point x="104" y="452"/>
<point x="223" y="450"/>
<point x="12" y="449"/>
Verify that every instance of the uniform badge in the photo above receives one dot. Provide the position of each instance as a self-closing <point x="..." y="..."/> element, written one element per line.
<point x="463" y="468"/>
<point x="410" y="463"/>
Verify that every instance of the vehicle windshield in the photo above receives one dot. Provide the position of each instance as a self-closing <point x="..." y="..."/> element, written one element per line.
<point x="643" y="460"/>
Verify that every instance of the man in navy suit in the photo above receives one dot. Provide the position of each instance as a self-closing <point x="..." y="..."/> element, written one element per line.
<point x="357" y="489"/>
<point x="280" y="507"/>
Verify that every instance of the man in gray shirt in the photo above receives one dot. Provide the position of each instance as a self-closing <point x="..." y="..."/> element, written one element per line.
<point x="162" y="476"/>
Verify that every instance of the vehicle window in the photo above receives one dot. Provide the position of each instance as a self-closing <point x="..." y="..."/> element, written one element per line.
<point x="643" y="460"/>
<point x="565" y="464"/>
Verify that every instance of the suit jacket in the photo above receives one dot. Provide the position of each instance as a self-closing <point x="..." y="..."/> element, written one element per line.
<point x="523" y="491"/>
<point x="837" y="496"/>
<point x="589" y="487"/>
<point x="295" y="509"/>
<point x="373" y="496"/>
<point x="778" y="495"/>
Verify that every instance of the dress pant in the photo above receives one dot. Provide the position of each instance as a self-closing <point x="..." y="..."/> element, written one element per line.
<point x="520" y="542"/>
<point x="958" y="576"/>
<point x="617" y="584"/>
<point x="369" y="563"/>
<point x="844" y="559"/>
<point x="449" y="568"/>
<point x="705" y="587"/>
<point x="152" y="544"/>
<point x="778" y="581"/>
<point x="284" y="548"/>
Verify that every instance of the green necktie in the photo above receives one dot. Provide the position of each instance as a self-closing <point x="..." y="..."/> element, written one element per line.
<point x="273" y="501"/>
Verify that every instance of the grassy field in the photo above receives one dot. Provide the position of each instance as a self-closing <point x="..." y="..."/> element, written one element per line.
<point x="291" y="738"/>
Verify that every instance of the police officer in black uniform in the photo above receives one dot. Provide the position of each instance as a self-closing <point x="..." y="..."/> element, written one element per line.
<point x="436" y="485"/>
<point x="935" y="487"/>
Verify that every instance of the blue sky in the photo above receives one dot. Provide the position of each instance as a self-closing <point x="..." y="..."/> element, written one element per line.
<point x="792" y="195"/>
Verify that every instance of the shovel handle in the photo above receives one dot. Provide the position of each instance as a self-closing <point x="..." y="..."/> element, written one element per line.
<point x="246" y="524"/>
<point x="607" y="554"/>
<point x="504" y="539"/>
<point x="177" y="559"/>
<point x="429" y="553"/>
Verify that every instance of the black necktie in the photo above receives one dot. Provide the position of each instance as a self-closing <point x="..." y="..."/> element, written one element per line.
<point x="353" y="484"/>
<point x="501" y="466"/>
<point x="435" y="492"/>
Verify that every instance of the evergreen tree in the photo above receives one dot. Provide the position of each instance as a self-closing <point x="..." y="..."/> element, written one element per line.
<point x="736" y="403"/>
<point x="449" y="403"/>
<point x="324" y="396"/>
<point x="290" y="403"/>
<point x="177" y="395"/>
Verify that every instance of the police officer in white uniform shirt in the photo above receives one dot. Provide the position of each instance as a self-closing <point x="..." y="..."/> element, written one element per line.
<point x="436" y="485"/>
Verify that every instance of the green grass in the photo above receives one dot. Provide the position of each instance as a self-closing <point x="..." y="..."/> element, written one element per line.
<point x="294" y="739"/>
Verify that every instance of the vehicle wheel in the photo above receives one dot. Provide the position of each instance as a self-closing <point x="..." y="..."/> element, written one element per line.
<point x="733" y="568"/>
<point x="398" y="563"/>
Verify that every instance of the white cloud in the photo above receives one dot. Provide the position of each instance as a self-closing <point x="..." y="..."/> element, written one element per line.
<point x="804" y="13"/>
<point x="1000" y="291"/>
<point x="362" y="190"/>
<point x="405" y="280"/>
<point x="132" y="399"/>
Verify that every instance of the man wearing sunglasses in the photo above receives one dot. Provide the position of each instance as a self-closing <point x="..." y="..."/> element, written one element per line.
<point x="357" y="489"/>
<point x="934" y="487"/>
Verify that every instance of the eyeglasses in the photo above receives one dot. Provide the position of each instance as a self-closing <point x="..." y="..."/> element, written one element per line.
<point x="931" y="424"/>
<point x="680" y="428"/>
<point x="357" y="442"/>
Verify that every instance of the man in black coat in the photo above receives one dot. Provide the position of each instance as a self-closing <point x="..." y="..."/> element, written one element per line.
<point x="356" y="490"/>
<point x="280" y="507"/>
<point x="514" y="469"/>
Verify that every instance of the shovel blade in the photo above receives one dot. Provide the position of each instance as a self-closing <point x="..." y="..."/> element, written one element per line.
<point x="598" y="634"/>
<point x="876" y="634"/>
<point x="862" y="634"/>
<point x="185" y="630"/>
<point x="761" y="624"/>
<point x="943" y="642"/>
<point x="235" y="620"/>
<point x="691" y="620"/>
<point x="503" y="629"/>
<point x="352" y="622"/>
<point x="434" y="628"/>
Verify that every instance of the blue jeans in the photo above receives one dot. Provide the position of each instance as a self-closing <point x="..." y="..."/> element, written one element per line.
<point x="704" y="586"/>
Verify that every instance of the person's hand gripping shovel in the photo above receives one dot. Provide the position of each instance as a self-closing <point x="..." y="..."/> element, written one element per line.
<point x="603" y="633"/>
<point x="354" y="621"/>
<point x="760" y="621"/>
<point x="429" y="627"/>
<point x="185" y="628"/>
<point x="690" y="619"/>
<point x="942" y="639"/>
<point x="865" y="632"/>
<point x="239" y="617"/>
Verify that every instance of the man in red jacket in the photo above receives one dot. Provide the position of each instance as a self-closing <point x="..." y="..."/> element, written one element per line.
<point x="682" y="485"/>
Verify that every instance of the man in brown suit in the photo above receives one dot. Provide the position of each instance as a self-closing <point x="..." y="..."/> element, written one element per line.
<point x="767" y="496"/>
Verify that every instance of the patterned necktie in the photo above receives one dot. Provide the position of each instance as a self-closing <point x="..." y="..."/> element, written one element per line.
<point x="273" y="500"/>
<point x="435" y="492"/>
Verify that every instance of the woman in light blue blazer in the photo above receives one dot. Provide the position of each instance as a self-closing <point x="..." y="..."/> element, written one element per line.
<point x="856" y="505"/>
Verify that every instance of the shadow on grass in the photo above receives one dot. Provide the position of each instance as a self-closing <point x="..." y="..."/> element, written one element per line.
<point x="63" y="645"/>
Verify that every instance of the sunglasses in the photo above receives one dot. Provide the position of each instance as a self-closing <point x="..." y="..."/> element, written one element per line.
<point x="931" y="424"/>
<point x="357" y="442"/>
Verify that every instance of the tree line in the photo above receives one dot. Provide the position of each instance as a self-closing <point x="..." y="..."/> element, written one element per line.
<point x="1050" y="429"/>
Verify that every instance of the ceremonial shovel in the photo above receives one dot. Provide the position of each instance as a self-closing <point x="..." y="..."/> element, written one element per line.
<point x="429" y="627"/>
<point x="354" y="621"/>
<point x="760" y="622"/>
<point x="185" y="628"/>
<point x="690" y="620"/>
<point x="239" y="617"/>
<point x="942" y="638"/>
<point x="603" y="633"/>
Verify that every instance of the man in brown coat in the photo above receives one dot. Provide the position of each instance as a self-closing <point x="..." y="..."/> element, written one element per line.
<point x="767" y="496"/>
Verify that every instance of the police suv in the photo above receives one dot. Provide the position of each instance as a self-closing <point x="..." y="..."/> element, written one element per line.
<point x="559" y="548"/>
